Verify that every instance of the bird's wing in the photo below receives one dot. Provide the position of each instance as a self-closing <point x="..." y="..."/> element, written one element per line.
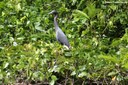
<point x="61" y="37"/>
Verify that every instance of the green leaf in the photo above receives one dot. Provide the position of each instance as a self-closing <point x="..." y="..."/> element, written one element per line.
<point x="38" y="27"/>
<point x="91" y="10"/>
<point x="112" y="73"/>
<point x="54" y="78"/>
<point x="6" y="65"/>
<point x="68" y="54"/>
<point x="82" y="74"/>
<point x="109" y="58"/>
<point x="73" y="73"/>
<point x="80" y="15"/>
<point x="125" y="65"/>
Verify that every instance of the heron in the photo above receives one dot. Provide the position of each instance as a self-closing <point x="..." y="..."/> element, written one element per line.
<point x="60" y="36"/>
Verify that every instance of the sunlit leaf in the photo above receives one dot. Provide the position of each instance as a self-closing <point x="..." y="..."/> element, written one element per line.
<point x="112" y="73"/>
<point x="82" y="74"/>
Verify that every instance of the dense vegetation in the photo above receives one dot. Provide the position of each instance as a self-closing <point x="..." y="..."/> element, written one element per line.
<point x="96" y="30"/>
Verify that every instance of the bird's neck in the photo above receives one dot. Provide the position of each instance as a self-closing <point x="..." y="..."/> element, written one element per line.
<point x="55" y="22"/>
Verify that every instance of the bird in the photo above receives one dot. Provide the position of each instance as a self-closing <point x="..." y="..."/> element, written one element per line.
<point x="60" y="35"/>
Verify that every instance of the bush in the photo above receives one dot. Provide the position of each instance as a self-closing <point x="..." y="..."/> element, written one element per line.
<point x="97" y="32"/>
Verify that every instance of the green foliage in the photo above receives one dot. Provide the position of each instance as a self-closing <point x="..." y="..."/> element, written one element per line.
<point x="30" y="54"/>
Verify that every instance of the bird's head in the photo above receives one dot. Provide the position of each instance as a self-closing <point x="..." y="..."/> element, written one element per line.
<point x="54" y="12"/>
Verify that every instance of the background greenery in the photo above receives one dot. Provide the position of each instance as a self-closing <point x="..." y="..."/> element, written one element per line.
<point x="97" y="32"/>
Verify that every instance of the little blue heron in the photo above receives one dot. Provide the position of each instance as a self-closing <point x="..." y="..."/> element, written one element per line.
<point x="60" y="36"/>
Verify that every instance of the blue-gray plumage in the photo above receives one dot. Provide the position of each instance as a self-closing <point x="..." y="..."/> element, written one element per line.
<point x="60" y="36"/>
